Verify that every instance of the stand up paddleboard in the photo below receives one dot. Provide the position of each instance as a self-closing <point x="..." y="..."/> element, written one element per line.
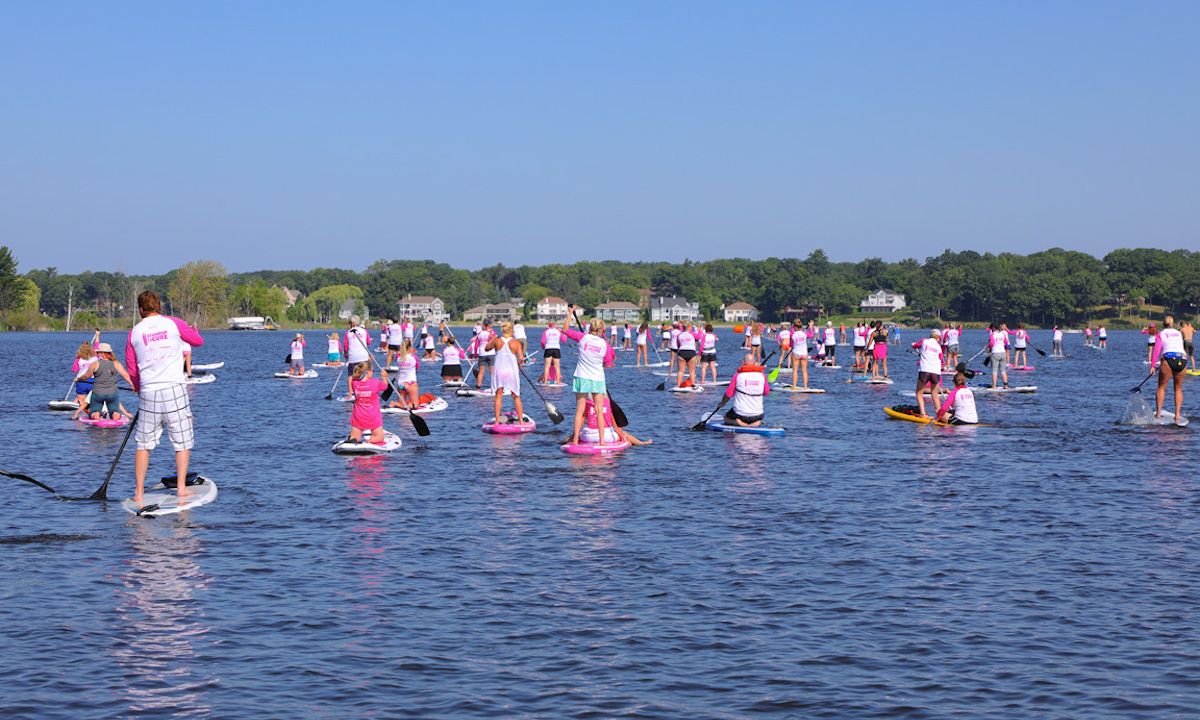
<point x="552" y="385"/>
<point x="594" y="448"/>
<point x="104" y="422"/>
<point x="435" y="405"/>
<point x="308" y="375"/>
<point x="201" y="379"/>
<point x="165" y="501"/>
<point x="1022" y="368"/>
<point x="988" y="390"/>
<point x="664" y="363"/>
<point x="209" y="366"/>
<point x="328" y="365"/>
<point x="719" y="425"/>
<point x="876" y="381"/>
<point x="473" y="392"/>
<point x="63" y="405"/>
<point x="510" y="426"/>
<point x="909" y="413"/>
<point x="687" y="390"/>
<point x="781" y="387"/>
<point x="823" y="366"/>
<point x="345" y="447"/>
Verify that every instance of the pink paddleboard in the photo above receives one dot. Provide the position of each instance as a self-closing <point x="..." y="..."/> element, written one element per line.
<point x="594" y="449"/>
<point x="511" y="428"/>
<point x="1028" y="368"/>
<point x="104" y="422"/>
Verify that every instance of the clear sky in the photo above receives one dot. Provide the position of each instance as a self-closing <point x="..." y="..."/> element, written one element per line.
<point x="283" y="134"/>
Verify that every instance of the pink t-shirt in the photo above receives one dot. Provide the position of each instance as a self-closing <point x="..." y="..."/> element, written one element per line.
<point x="366" y="415"/>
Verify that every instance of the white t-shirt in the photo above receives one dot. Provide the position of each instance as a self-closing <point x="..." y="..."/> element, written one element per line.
<point x="592" y="351"/>
<point x="749" y="389"/>
<point x="931" y="356"/>
<point x="519" y="331"/>
<point x="156" y="346"/>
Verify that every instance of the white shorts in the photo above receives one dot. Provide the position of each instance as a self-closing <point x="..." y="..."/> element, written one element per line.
<point x="165" y="406"/>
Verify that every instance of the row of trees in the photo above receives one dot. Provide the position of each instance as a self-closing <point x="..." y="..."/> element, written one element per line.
<point x="1054" y="286"/>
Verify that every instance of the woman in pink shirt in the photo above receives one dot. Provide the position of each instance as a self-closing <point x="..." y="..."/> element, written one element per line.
<point x="366" y="416"/>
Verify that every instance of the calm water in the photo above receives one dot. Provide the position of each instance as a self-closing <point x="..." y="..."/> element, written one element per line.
<point x="859" y="567"/>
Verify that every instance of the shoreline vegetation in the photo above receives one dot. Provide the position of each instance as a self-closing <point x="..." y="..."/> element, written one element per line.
<point x="1126" y="288"/>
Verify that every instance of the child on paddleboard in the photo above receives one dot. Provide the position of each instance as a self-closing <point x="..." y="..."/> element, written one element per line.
<point x="85" y="358"/>
<point x="366" y="416"/>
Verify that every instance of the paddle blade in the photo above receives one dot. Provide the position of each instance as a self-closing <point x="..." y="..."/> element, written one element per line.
<point x="661" y="386"/>
<point x="773" y="375"/>
<point x="419" y="424"/>
<point x="1040" y="352"/>
<point x="555" y="416"/>
<point x="288" y="359"/>
<point x="987" y="360"/>
<point x="387" y="393"/>
<point x="617" y="413"/>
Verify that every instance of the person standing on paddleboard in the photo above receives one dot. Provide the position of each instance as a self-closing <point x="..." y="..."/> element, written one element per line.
<point x="1151" y="334"/>
<point x="643" y="343"/>
<point x="355" y="347"/>
<point x="879" y="351"/>
<point x="747" y="387"/>
<point x="687" y="355"/>
<point x="486" y="357"/>
<point x="799" y="353"/>
<point x="1170" y="360"/>
<point x="594" y="355"/>
<point x="154" y="358"/>
<point x="297" y="355"/>
<point x="506" y="375"/>
<point x="519" y="336"/>
<point x="333" y="350"/>
<point x="929" y="369"/>
<point x="959" y="408"/>
<point x="1020" y="347"/>
<point x="830" y="344"/>
<point x="1056" y="349"/>
<point x="1189" y="349"/>
<point x="708" y="353"/>
<point x="1102" y="337"/>
<point x="998" y="347"/>
<point x="452" y="356"/>
<point x="395" y="339"/>
<point x="551" y="354"/>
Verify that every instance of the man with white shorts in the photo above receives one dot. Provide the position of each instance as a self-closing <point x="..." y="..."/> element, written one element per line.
<point x="154" y="357"/>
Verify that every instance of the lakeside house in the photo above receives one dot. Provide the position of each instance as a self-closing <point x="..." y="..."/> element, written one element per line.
<point x="350" y="307"/>
<point x="809" y="311"/>
<point x="423" y="307"/>
<point x="618" y="311"/>
<point x="739" y="312"/>
<point x="498" y="312"/>
<point x="674" y="308"/>
<point x="551" y="308"/>
<point x="882" y="301"/>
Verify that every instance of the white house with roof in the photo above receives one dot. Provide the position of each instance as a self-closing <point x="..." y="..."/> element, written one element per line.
<point x="670" y="309"/>
<point x="739" y="312"/>
<point x="618" y="311"/>
<point x="552" y="308"/>
<point x="423" y="307"/>
<point x="882" y="301"/>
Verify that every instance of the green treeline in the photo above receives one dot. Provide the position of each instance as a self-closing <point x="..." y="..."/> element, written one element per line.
<point x="1054" y="286"/>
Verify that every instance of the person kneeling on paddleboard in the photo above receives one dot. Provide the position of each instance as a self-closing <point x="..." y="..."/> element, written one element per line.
<point x="105" y="403"/>
<point x="366" y="416"/>
<point x="748" y="387"/>
<point x="613" y="433"/>
<point x="959" y="408"/>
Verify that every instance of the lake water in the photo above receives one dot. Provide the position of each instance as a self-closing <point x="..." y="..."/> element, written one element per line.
<point x="858" y="567"/>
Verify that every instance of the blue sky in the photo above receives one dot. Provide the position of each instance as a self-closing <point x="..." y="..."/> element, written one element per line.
<point x="141" y="135"/>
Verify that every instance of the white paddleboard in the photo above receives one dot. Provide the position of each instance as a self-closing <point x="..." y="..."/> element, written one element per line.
<point x="437" y="405"/>
<point x="800" y="390"/>
<point x="1002" y="390"/>
<point x="687" y="390"/>
<point x="209" y="366"/>
<point x="201" y="379"/>
<point x="472" y="392"/>
<point x="164" y="501"/>
<point x="308" y="375"/>
<point x="664" y="363"/>
<point x="63" y="405"/>
<point x="390" y="443"/>
<point x="327" y="365"/>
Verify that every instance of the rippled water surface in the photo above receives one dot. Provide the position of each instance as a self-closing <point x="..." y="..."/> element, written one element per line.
<point x="858" y="567"/>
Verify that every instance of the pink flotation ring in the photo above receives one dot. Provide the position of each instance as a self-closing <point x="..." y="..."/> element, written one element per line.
<point x="104" y="422"/>
<point x="594" y="449"/>
<point x="512" y="427"/>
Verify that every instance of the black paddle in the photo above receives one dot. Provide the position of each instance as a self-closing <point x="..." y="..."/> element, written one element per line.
<point x="417" y="421"/>
<point x="555" y="416"/>
<point x="102" y="491"/>
<point x="1138" y="389"/>
<point x="288" y="360"/>
<point x="336" y="380"/>
<point x="618" y="414"/>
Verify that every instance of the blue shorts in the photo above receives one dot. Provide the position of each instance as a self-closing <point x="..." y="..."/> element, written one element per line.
<point x="83" y="387"/>
<point x="334" y="357"/>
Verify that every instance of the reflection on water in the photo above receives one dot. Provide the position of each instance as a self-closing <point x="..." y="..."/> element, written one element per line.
<point x="161" y="620"/>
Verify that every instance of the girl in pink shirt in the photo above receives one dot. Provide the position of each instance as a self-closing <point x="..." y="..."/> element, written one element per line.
<point x="366" y="416"/>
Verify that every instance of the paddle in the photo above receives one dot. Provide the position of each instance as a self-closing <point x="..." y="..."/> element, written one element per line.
<point x="26" y="478"/>
<point x="618" y="414"/>
<point x="701" y="425"/>
<point x="102" y="491"/>
<point x="336" y="380"/>
<point x="555" y="416"/>
<point x="1138" y="389"/>
<point x="288" y="360"/>
<point x="417" y="421"/>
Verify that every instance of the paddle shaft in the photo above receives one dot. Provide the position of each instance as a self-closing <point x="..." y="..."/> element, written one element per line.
<point x="551" y="411"/>
<point x="336" y="380"/>
<point x="102" y="491"/>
